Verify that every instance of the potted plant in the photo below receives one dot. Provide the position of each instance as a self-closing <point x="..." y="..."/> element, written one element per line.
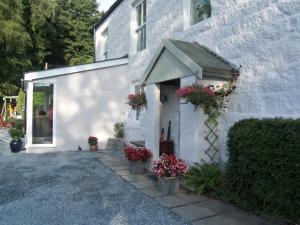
<point x="93" y="143"/>
<point x="137" y="158"/>
<point x="137" y="101"/>
<point x="169" y="170"/>
<point x="117" y="142"/>
<point x="16" y="143"/>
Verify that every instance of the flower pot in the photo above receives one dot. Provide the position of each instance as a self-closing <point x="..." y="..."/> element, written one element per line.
<point x="93" y="148"/>
<point x="16" y="146"/>
<point x="168" y="185"/>
<point x="136" y="167"/>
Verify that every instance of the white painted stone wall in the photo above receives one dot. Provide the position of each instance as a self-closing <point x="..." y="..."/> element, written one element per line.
<point x="88" y="104"/>
<point x="118" y="26"/>
<point x="261" y="35"/>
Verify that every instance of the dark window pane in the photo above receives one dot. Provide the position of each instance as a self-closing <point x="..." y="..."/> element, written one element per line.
<point x="200" y="10"/>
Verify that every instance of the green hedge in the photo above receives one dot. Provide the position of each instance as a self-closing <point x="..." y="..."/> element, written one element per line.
<point x="263" y="170"/>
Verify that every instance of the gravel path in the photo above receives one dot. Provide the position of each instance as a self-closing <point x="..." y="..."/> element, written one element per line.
<point x="71" y="188"/>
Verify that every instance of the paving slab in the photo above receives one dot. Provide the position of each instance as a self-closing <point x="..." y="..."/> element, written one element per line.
<point x="122" y="172"/>
<point x="133" y="177"/>
<point x="233" y="218"/>
<point x="217" y="206"/>
<point x="193" y="212"/>
<point x="123" y="167"/>
<point x="144" y="184"/>
<point x="153" y="192"/>
<point x="172" y="201"/>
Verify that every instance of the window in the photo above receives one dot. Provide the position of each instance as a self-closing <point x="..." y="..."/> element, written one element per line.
<point x="138" y="90"/>
<point x="200" y="10"/>
<point x="141" y="25"/>
<point x="104" y="44"/>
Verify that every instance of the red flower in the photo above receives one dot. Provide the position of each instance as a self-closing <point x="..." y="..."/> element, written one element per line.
<point x="183" y="92"/>
<point x="169" y="166"/>
<point x="136" y="154"/>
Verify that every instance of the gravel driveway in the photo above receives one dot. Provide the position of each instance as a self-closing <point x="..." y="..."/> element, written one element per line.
<point x="71" y="188"/>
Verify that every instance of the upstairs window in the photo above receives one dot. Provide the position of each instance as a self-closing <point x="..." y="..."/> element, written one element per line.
<point x="200" y="10"/>
<point x="141" y="25"/>
<point x="104" y="53"/>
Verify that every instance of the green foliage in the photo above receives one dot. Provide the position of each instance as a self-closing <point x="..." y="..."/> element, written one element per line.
<point x="21" y="102"/>
<point x="119" y="130"/>
<point x="15" y="134"/>
<point x="7" y="89"/>
<point x="34" y="32"/>
<point x="205" y="178"/>
<point x="263" y="171"/>
<point x="38" y="99"/>
<point x="15" y="41"/>
<point x="76" y="19"/>
<point x="19" y="124"/>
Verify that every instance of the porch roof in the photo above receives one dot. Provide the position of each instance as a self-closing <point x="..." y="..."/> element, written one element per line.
<point x="198" y="59"/>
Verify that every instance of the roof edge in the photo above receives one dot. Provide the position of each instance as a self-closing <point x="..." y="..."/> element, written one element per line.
<point x="107" y="13"/>
<point x="74" y="69"/>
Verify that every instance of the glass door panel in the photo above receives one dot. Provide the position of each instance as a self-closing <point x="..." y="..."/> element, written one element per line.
<point x="42" y="119"/>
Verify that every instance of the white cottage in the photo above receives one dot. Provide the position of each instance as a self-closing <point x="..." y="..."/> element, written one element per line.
<point x="161" y="46"/>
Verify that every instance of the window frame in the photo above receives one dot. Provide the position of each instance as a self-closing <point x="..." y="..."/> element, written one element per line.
<point x="104" y="44"/>
<point x="141" y="20"/>
<point x="187" y="14"/>
<point x="138" y="89"/>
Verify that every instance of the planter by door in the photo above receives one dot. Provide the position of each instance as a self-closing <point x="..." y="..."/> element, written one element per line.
<point x="168" y="185"/>
<point x="136" y="167"/>
<point x="16" y="146"/>
<point x="93" y="148"/>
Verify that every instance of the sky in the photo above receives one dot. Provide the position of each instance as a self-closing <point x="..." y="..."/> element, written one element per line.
<point x="105" y="4"/>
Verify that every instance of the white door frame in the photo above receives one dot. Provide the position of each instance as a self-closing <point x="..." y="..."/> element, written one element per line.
<point x="29" y="115"/>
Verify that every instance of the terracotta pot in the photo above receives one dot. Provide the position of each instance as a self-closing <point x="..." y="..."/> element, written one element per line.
<point x="136" y="167"/>
<point x="168" y="185"/>
<point x="93" y="148"/>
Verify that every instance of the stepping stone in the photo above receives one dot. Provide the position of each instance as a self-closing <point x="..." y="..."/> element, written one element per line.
<point x="153" y="192"/>
<point x="171" y="201"/>
<point x="133" y="177"/>
<point x="145" y="184"/>
<point x="217" y="206"/>
<point x="114" y="168"/>
<point x="234" y="218"/>
<point x="193" y="212"/>
<point x="122" y="172"/>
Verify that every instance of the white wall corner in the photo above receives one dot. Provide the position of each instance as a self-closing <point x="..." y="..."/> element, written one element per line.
<point x="186" y="14"/>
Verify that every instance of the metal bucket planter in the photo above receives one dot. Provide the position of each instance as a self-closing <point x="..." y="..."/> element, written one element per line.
<point x="93" y="148"/>
<point x="168" y="185"/>
<point x="136" y="167"/>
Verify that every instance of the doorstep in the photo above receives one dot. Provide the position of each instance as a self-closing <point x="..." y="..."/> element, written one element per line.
<point x="196" y="209"/>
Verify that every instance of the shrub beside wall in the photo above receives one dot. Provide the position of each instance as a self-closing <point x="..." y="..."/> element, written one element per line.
<point x="263" y="171"/>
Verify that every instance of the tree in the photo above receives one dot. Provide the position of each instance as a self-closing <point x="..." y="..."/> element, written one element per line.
<point x="34" y="32"/>
<point x="76" y="20"/>
<point x="14" y="41"/>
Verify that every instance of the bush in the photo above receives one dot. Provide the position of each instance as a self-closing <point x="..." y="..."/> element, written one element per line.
<point x="19" y="124"/>
<point x="119" y="130"/>
<point x="15" y="134"/>
<point x="205" y="178"/>
<point x="263" y="171"/>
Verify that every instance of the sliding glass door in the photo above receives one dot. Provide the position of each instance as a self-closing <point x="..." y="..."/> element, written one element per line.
<point x="42" y="119"/>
